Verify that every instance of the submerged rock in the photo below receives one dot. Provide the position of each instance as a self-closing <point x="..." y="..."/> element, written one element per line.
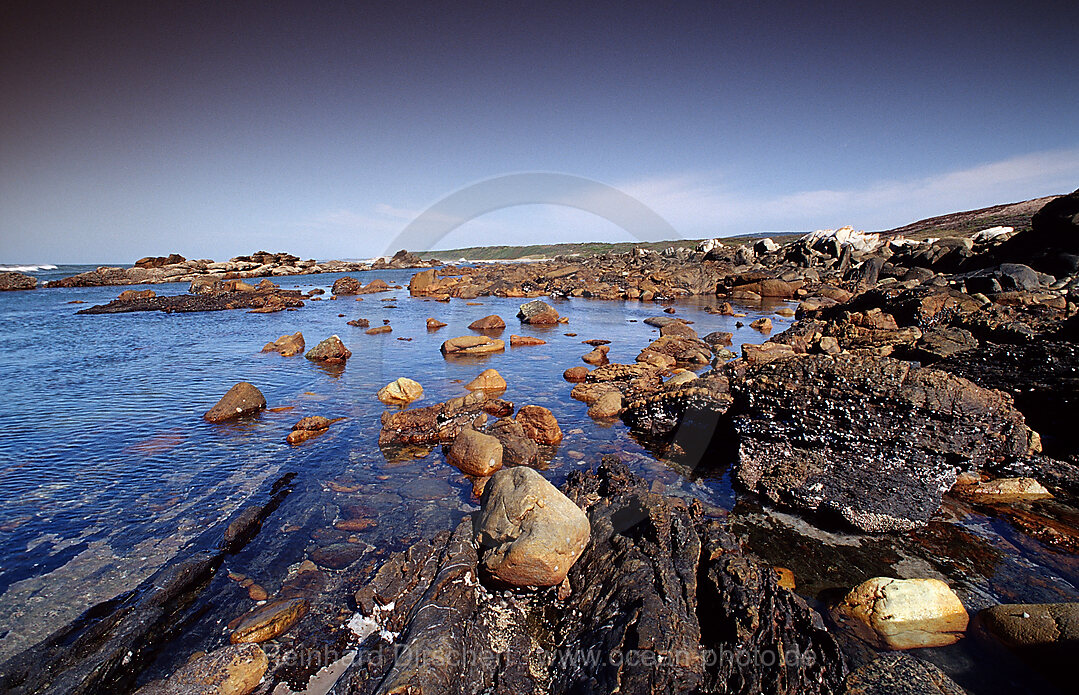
<point x="235" y="669"/>
<point x="240" y="400"/>
<point x="269" y="621"/>
<point x="904" y="613"/>
<point x="529" y="533"/>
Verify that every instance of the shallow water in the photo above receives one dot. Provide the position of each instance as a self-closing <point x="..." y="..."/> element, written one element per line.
<point x="107" y="469"/>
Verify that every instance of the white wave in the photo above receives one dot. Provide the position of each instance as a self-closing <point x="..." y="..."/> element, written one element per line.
<point x="25" y="268"/>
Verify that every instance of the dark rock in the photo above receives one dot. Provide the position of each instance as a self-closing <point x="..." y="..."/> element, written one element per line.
<point x="242" y="399"/>
<point x="212" y="300"/>
<point x="159" y="261"/>
<point x="16" y="281"/>
<point x="346" y="286"/>
<point x="900" y="674"/>
<point x="330" y="350"/>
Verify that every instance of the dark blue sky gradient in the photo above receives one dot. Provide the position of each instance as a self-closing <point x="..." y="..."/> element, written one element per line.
<point x="213" y="131"/>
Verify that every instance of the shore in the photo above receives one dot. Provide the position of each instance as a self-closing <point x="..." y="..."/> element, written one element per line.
<point x="914" y="385"/>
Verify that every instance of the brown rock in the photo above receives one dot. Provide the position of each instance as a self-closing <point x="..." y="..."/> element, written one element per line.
<point x="236" y="669"/>
<point x="608" y="405"/>
<point x="287" y="345"/>
<point x="521" y="340"/>
<point x="16" y="281"/>
<point x="488" y="323"/>
<point x="575" y="375"/>
<point x="539" y="425"/>
<point x="401" y="391"/>
<point x="472" y="345"/>
<point x="475" y="453"/>
<point x="132" y="295"/>
<point x="904" y="613"/>
<point x="598" y="356"/>
<point x="435" y="324"/>
<point x="269" y="621"/>
<point x="242" y="399"/>
<point x="764" y="325"/>
<point x="488" y="380"/>
<point x="377" y="330"/>
<point x="330" y="350"/>
<point x="538" y="313"/>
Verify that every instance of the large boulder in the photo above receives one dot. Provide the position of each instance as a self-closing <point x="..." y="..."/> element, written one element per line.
<point x="904" y="613"/>
<point x="488" y="380"/>
<point x="529" y="533"/>
<point x="236" y="669"/>
<point x="876" y="440"/>
<point x="16" y="281"/>
<point x="475" y="453"/>
<point x="1052" y="243"/>
<point x="240" y="400"/>
<point x="538" y="313"/>
<point x="331" y="350"/>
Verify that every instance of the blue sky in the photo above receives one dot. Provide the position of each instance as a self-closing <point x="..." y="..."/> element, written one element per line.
<point x="212" y="132"/>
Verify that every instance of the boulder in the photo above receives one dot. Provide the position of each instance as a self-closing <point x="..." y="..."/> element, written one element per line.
<point x="517" y="448"/>
<point x="373" y="287"/>
<point x="488" y="323"/>
<point x="435" y="324"/>
<point x="235" y="669"/>
<point x="529" y="533"/>
<point x="286" y="345"/>
<point x="472" y="345"/>
<point x="538" y="313"/>
<point x="475" y="453"/>
<point x="401" y="391"/>
<point x="904" y="613"/>
<point x="764" y="325"/>
<point x="346" y="286"/>
<point x="421" y="282"/>
<point x="1038" y="625"/>
<point x="308" y="428"/>
<point x="379" y="330"/>
<point x="16" y="281"/>
<point x="269" y="621"/>
<point x="575" y="375"/>
<point x="598" y="356"/>
<point x="539" y="424"/>
<point x="240" y="400"/>
<point x="330" y="350"/>
<point x="488" y="380"/>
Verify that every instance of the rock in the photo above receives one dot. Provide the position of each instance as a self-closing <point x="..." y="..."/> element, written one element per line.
<point x="269" y="621"/>
<point x="131" y="295"/>
<point x="488" y="380"/>
<point x="680" y="378"/>
<point x="1033" y="624"/>
<point x="475" y="453"/>
<point x="337" y="556"/>
<point x="359" y="323"/>
<point x="766" y="352"/>
<point x="236" y="669"/>
<point x="1016" y="276"/>
<point x="287" y="345"/>
<point x="421" y="283"/>
<point x="308" y="428"/>
<point x="375" y="286"/>
<point x="821" y="433"/>
<point x="598" y="356"/>
<point x="488" y="323"/>
<point x="517" y="448"/>
<point x="435" y="324"/>
<point x="1004" y="490"/>
<point x="904" y="613"/>
<point x="940" y="343"/>
<point x="330" y="350"/>
<point x="529" y="533"/>
<point x="538" y="313"/>
<point x="900" y="674"/>
<point x="523" y="340"/>
<point x="346" y="286"/>
<point x="379" y="330"/>
<point x="472" y="345"/>
<point x="240" y="400"/>
<point x="608" y="405"/>
<point x="764" y="325"/>
<point x="718" y="338"/>
<point x="159" y="261"/>
<point x="400" y="391"/>
<point x="1051" y="245"/>
<point x="539" y="424"/>
<point x="575" y="375"/>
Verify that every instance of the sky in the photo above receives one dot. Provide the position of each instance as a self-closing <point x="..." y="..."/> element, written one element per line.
<point x="217" y="129"/>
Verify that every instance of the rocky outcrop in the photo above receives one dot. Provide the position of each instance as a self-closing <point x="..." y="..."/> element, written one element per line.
<point x="212" y="299"/>
<point x="16" y="281"/>
<point x="661" y="601"/>
<point x="240" y="400"/>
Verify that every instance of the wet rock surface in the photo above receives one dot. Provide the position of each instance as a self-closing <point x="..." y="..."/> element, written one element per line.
<point x="16" y="281"/>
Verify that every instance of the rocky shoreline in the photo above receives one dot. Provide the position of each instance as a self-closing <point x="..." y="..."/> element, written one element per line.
<point x="919" y="379"/>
